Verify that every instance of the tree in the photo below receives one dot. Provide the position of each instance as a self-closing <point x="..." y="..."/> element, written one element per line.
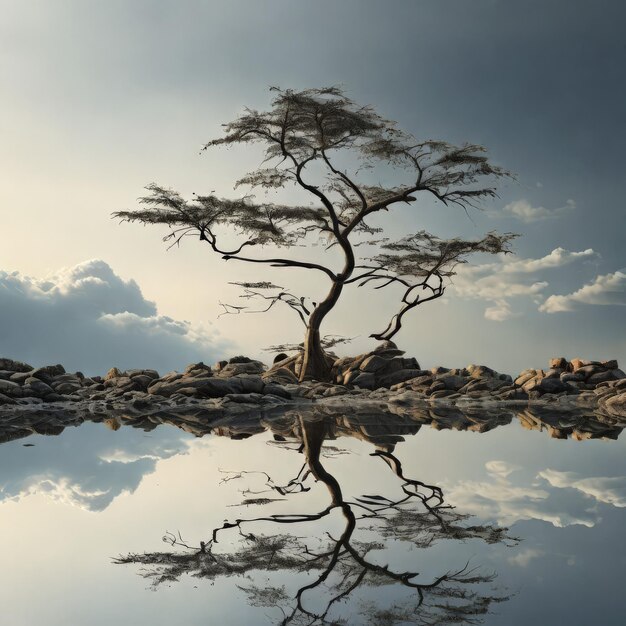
<point x="309" y="138"/>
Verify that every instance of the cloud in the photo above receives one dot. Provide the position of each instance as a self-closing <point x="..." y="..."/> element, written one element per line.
<point x="503" y="497"/>
<point x="89" y="318"/>
<point x="103" y="464"/>
<point x="526" y="212"/>
<point x="608" y="490"/>
<point x="509" y="277"/>
<point x="524" y="557"/>
<point x="606" y="289"/>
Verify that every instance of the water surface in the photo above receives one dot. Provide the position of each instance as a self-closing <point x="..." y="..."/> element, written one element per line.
<point x="313" y="517"/>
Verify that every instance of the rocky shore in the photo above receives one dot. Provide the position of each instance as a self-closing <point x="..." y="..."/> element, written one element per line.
<point x="383" y="376"/>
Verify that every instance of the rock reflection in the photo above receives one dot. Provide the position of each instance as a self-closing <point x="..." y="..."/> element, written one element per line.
<point x="341" y="569"/>
<point x="388" y="422"/>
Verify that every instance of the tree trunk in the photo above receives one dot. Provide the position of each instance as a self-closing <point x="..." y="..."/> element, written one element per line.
<point x="315" y="364"/>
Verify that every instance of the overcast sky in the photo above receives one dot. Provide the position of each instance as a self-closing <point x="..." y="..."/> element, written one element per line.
<point x="99" y="99"/>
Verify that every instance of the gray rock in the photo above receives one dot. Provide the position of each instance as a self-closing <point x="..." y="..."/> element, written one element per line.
<point x="19" y="377"/>
<point x="365" y="380"/>
<point x="452" y="382"/>
<point x="249" y="367"/>
<point x="9" y="388"/>
<point x="374" y="363"/>
<point x="14" y="366"/>
<point x="251" y="384"/>
<point x="386" y="380"/>
<point x="37" y="388"/>
<point x="48" y="371"/>
<point x="551" y="385"/>
<point x="598" y="377"/>
<point x="4" y="399"/>
<point x="276" y="390"/>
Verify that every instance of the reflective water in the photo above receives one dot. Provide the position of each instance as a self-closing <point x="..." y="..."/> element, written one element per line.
<point x="310" y="518"/>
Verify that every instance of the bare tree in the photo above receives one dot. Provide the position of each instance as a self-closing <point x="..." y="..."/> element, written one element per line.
<point x="308" y="137"/>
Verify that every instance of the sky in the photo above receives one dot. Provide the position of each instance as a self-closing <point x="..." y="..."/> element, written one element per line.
<point x="100" y="99"/>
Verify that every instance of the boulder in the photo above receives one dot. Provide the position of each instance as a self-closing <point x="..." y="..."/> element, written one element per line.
<point x="113" y="373"/>
<point x="398" y="377"/>
<point x="11" y="389"/>
<point x="374" y="363"/>
<point x="559" y="363"/>
<point x="48" y="371"/>
<point x="365" y="380"/>
<point x="245" y="367"/>
<point x="14" y="366"/>
<point x="599" y="377"/>
<point x="481" y="371"/>
<point x="452" y="382"/>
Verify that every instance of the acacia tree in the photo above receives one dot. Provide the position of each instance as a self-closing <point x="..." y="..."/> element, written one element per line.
<point x="305" y="135"/>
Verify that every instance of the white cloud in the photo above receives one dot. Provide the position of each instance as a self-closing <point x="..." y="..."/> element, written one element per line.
<point x="526" y="212"/>
<point x="89" y="318"/>
<point x="609" y="490"/>
<point x="524" y="557"/>
<point x="501" y="498"/>
<point x="557" y="258"/>
<point x="500" y="312"/>
<point x="606" y="289"/>
<point x="509" y="277"/>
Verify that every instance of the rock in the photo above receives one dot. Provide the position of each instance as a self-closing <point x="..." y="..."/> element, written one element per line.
<point x="276" y="390"/>
<point x="141" y="381"/>
<point x="439" y="370"/>
<point x="525" y="376"/>
<point x="559" y="363"/>
<point x="250" y="384"/>
<point x="551" y="385"/>
<point x="280" y="357"/>
<point x="37" y="388"/>
<point x="48" y="371"/>
<point x="398" y="377"/>
<point x="553" y="373"/>
<point x="11" y="389"/>
<point x="610" y="365"/>
<point x="220" y="365"/>
<point x="481" y="371"/>
<point x="14" y="366"/>
<point x="113" y="373"/>
<point x="282" y="375"/>
<point x="244" y="367"/>
<point x="365" y="380"/>
<point x="598" y="377"/>
<point x="239" y="359"/>
<point x="514" y="394"/>
<point x="197" y="368"/>
<point x="19" y="377"/>
<point x="4" y="399"/>
<point x="616" y="404"/>
<point x="571" y="377"/>
<point x="374" y="363"/>
<point x="618" y="374"/>
<point x="425" y="380"/>
<point x="452" y="382"/>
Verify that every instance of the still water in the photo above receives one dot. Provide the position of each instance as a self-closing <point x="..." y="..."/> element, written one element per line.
<point x="306" y="517"/>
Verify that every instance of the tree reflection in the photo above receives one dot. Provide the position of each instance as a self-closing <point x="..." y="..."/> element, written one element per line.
<point x="341" y="569"/>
